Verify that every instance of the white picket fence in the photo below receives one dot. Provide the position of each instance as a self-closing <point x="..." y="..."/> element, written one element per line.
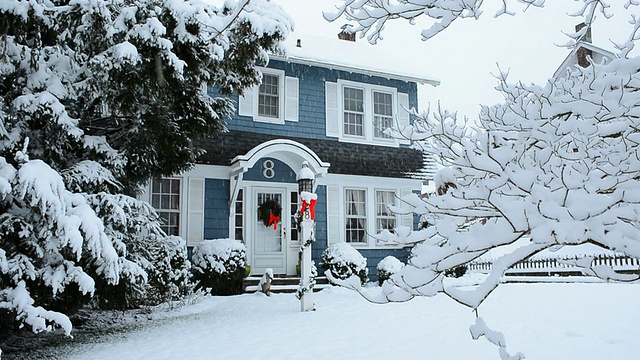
<point x="555" y="267"/>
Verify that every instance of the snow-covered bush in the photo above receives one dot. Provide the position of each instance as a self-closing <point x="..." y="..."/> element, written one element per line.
<point x="343" y="261"/>
<point x="387" y="267"/>
<point x="220" y="265"/>
<point x="169" y="278"/>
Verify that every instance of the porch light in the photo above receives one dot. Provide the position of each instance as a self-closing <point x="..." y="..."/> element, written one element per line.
<point x="305" y="179"/>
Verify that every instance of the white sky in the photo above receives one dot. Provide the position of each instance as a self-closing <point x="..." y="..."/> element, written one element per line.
<point x="464" y="56"/>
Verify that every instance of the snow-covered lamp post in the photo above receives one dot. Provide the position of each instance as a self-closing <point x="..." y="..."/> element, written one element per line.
<point x="307" y="213"/>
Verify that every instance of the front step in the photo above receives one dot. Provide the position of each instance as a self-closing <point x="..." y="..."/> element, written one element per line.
<point x="282" y="284"/>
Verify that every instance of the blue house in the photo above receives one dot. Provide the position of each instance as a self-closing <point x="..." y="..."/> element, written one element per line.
<point x="331" y="116"/>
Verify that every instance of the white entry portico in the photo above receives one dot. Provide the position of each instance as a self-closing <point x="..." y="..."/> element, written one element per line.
<point x="267" y="172"/>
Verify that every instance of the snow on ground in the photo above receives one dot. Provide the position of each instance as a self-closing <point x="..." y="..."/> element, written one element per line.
<point x="545" y="321"/>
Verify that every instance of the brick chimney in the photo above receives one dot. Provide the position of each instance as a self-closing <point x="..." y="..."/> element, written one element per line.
<point x="583" y="53"/>
<point x="346" y="33"/>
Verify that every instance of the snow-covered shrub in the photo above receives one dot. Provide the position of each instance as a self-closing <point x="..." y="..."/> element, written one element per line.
<point x="343" y="261"/>
<point x="220" y="265"/>
<point x="387" y="267"/>
<point x="164" y="269"/>
<point x="170" y="276"/>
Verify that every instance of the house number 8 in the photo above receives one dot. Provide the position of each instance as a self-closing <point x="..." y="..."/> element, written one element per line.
<point x="268" y="170"/>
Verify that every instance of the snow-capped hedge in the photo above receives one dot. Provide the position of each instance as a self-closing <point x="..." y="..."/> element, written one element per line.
<point x="387" y="267"/>
<point x="219" y="264"/>
<point x="343" y="261"/>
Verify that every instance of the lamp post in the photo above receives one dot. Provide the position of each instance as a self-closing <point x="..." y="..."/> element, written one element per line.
<point x="307" y="212"/>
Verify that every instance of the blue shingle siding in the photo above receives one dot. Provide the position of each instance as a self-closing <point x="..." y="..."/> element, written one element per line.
<point x="281" y="172"/>
<point x="321" y="226"/>
<point x="216" y="209"/>
<point x="374" y="256"/>
<point x="311" y="99"/>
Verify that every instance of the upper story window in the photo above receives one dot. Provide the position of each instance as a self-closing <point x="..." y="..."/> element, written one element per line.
<point x="382" y="113"/>
<point x="274" y="100"/>
<point x="353" y="111"/>
<point x="165" y="198"/>
<point x="360" y="112"/>
<point x="269" y="96"/>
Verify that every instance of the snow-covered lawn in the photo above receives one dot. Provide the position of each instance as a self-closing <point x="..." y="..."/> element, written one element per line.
<point x="544" y="321"/>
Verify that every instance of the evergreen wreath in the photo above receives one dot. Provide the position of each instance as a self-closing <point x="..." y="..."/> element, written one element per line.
<point x="266" y="208"/>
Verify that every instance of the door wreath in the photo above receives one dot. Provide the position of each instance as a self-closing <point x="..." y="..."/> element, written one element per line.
<point x="269" y="213"/>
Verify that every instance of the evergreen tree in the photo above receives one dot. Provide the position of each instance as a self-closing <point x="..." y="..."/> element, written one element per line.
<point x="96" y="97"/>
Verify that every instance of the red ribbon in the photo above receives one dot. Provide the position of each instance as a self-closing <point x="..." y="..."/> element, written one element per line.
<point x="273" y="220"/>
<point x="312" y="208"/>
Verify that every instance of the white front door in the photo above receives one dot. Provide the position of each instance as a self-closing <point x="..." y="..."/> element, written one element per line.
<point x="269" y="244"/>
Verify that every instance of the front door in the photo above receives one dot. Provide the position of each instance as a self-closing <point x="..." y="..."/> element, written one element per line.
<point x="269" y="244"/>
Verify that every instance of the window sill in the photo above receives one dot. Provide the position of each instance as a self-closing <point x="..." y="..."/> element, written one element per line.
<point x="278" y="121"/>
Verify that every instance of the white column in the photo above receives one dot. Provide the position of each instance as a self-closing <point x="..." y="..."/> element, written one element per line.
<point x="308" y="236"/>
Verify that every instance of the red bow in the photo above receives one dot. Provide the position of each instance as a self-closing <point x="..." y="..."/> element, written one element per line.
<point x="312" y="208"/>
<point x="273" y="220"/>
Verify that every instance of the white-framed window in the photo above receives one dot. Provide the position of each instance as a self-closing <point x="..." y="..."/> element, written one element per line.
<point x="274" y="100"/>
<point x="355" y="215"/>
<point x="165" y="198"/>
<point x="353" y="111"/>
<point x="385" y="219"/>
<point x="382" y="113"/>
<point x="360" y="112"/>
<point x="269" y="96"/>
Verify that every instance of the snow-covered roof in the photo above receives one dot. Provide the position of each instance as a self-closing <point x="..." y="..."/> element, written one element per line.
<point x="314" y="41"/>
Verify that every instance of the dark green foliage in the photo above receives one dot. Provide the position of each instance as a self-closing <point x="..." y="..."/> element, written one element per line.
<point x="456" y="272"/>
<point x="219" y="265"/>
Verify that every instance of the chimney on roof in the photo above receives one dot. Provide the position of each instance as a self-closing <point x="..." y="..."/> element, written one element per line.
<point x="583" y="53"/>
<point x="587" y="35"/>
<point x="346" y="33"/>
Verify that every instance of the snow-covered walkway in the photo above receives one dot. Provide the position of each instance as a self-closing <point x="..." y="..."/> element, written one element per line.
<point x="545" y="321"/>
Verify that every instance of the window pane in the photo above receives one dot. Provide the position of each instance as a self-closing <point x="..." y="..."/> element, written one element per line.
<point x="175" y="186"/>
<point x="155" y="186"/>
<point x="155" y="201"/>
<point x="165" y="186"/>
<point x="175" y="202"/>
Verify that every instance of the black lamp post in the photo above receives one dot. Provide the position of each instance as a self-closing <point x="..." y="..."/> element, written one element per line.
<point x="305" y="179"/>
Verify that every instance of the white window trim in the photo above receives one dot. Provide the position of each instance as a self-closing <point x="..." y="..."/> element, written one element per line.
<point x="368" y="130"/>
<point x="281" y="97"/>
<point x="371" y="185"/>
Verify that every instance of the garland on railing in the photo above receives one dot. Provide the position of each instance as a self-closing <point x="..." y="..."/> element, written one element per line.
<point x="269" y="213"/>
<point x="312" y="282"/>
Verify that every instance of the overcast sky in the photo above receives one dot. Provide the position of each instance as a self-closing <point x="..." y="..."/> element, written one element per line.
<point x="465" y="55"/>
